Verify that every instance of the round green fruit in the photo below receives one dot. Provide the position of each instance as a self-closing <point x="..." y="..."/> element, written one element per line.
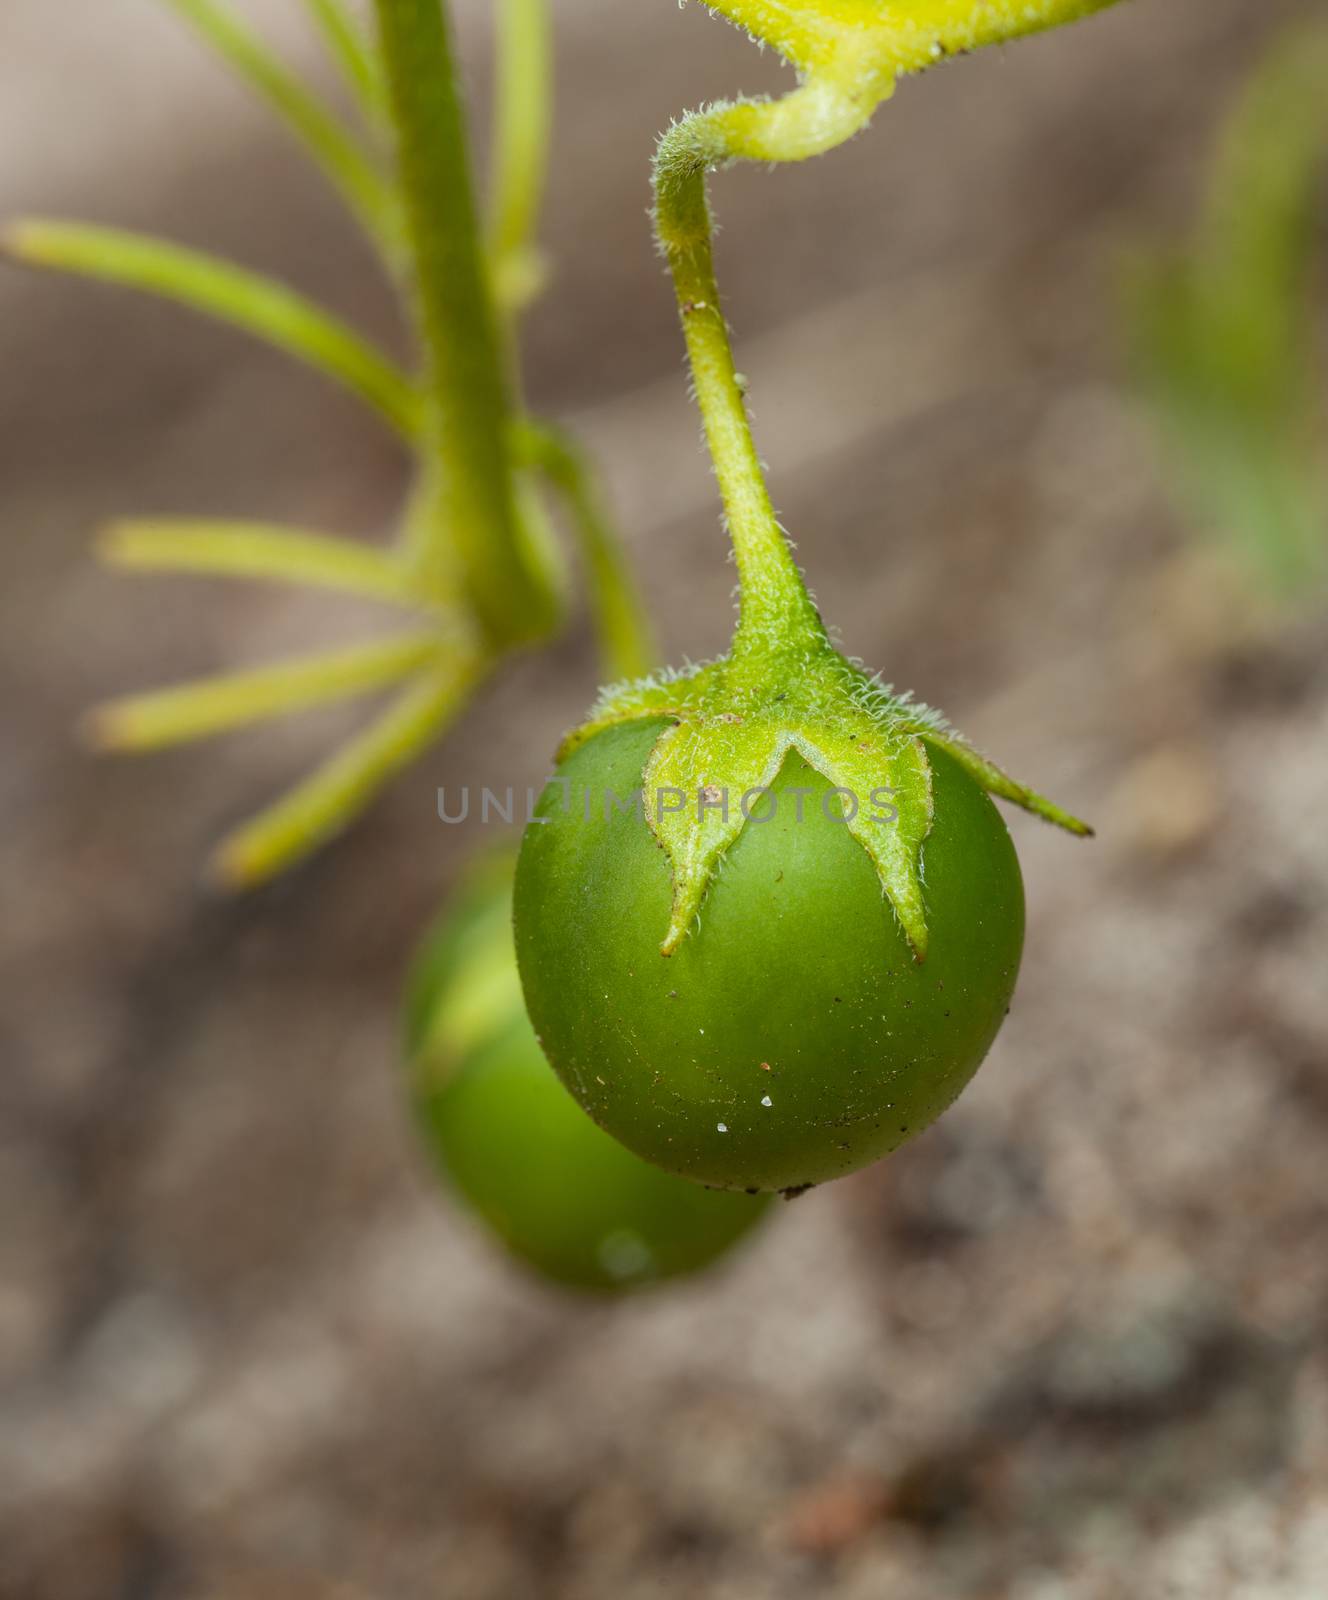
<point x="562" y="1196"/>
<point x="792" y="1036"/>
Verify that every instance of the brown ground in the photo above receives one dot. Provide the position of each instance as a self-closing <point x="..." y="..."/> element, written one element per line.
<point x="1070" y="1345"/>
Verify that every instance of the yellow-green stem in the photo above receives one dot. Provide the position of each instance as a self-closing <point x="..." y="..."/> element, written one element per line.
<point x="626" y="639"/>
<point x="468" y="472"/>
<point x="849" y="54"/>
<point x="775" y="607"/>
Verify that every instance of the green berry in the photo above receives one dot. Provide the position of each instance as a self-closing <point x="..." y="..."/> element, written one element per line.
<point x="560" y="1195"/>
<point x="792" y="1037"/>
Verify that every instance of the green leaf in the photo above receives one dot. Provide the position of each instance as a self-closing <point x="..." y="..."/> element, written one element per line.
<point x="257" y="305"/>
<point x="214" y="705"/>
<point x="664" y="694"/>
<point x="719" y="762"/>
<point x="367" y="192"/>
<point x="355" y="57"/>
<point x="1222" y="329"/>
<point x="342" y="787"/>
<point x="260" y="551"/>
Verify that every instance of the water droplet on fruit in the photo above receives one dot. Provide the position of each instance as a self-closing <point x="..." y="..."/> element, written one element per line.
<point x="766" y="1100"/>
<point x="721" y="1127"/>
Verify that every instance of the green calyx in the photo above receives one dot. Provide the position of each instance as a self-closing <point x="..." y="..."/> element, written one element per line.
<point x="732" y="725"/>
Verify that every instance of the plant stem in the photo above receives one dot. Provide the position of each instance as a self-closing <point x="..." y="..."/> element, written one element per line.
<point x="775" y="606"/>
<point x="626" y="640"/>
<point x="468" y="472"/>
<point x="849" y="56"/>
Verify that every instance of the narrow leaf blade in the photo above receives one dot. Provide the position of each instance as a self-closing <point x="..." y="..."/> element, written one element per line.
<point x="328" y="800"/>
<point x="257" y="305"/>
<point x="260" y="551"/>
<point x="210" y="706"/>
<point x="369" y="195"/>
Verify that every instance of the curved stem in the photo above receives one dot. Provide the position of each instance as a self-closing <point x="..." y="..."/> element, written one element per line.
<point x="775" y="605"/>
<point x="468" y="471"/>
<point x="850" y="54"/>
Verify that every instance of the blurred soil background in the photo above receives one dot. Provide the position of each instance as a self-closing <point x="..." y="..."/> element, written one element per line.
<point x="1072" y="1344"/>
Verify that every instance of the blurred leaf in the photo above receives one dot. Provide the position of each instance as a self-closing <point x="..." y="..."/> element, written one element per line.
<point x="1222" y="331"/>
<point x="259" y="306"/>
<point x="355" y="55"/>
<point x="345" y="784"/>
<point x="260" y="551"/>
<point x="368" y="193"/>
<point x="213" y="705"/>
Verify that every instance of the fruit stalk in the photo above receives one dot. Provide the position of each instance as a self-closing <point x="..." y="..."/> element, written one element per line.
<point x="849" y="58"/>
<point x="775" y="607"/>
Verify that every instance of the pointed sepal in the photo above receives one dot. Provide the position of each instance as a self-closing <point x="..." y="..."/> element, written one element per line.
<point x="709" y="768"/>
<point x="996" y="782"/>
<point x="884" y="779"/>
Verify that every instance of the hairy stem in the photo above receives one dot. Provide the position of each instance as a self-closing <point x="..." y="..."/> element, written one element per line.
<point x="775" y="605"/>
<point x="849" y="54"/>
